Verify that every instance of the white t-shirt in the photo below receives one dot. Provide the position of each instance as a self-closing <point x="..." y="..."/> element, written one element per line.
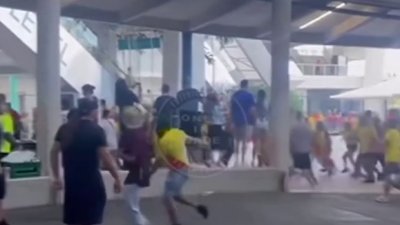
<point x="110" y="128"/>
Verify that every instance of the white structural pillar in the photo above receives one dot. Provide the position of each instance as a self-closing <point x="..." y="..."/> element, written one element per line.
<point x="108" y="43"/>
<point x="48" y="76"/>
<point x="198" y="62"/>
<point x="172" y="60"/>
<point x="280" y="103"/>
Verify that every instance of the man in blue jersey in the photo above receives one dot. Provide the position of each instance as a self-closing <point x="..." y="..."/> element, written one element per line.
<point x="243" y="117"/>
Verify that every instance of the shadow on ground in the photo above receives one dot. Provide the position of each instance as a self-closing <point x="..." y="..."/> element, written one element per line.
<point x="246" y="209"/>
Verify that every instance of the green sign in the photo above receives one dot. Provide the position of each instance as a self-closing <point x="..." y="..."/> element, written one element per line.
<point x="139" y="43"/>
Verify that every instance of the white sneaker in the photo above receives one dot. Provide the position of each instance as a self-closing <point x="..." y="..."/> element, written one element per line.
<point x="382" y="199"/>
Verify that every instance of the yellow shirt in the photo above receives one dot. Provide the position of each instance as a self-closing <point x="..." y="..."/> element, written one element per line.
<point x="367" y="137"/>
<point x="313" y="122"/>
<point x="7" y="124"/>
<point x="321" y="139"/>
<point x="350" y="137"/>
<point x="173" y="148"/>
<point x="392" y="138"/>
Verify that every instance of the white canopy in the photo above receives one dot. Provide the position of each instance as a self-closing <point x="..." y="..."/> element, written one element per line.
<point x="385" y="89"/>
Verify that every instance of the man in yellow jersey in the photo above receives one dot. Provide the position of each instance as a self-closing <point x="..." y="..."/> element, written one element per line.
<point x="172" y="152"/>
<point x="392" y="158"/>
<point x="7" y="123"/>
<point x="6" y="138"/>
<point x="368" y="138"/>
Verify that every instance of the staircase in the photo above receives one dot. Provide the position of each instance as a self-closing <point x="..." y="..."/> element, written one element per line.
<point x="251" y="60"/>
<point x="78" y="65"/>
<point x="137" y="53"/>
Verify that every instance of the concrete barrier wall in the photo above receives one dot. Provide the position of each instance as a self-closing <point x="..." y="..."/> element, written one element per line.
<point x="38" y="191"/>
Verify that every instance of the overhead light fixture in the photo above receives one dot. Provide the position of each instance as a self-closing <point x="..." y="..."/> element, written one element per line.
<point x="319" y="18"/>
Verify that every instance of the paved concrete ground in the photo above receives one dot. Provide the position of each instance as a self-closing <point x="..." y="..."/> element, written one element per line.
<point x="248" y="209"/>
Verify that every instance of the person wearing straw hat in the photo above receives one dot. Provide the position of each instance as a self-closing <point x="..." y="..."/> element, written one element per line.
<point x="136" y="149"/>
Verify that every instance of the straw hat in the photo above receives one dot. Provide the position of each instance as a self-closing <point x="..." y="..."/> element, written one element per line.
<point x="134" y="117"/>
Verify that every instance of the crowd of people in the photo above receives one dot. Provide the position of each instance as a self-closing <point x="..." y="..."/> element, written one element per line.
<point x="372" y="149"/>
<point x="142" y="138"/>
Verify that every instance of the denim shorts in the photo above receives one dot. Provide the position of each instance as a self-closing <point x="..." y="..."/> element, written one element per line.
<point x="176" y="179"/>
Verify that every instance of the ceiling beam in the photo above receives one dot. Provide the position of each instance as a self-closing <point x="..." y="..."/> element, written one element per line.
<point x="394" y="4"/>
<point x="352" y="23"/>
<point x="138" y="8"/>
<point x="6" y="69"/>
<point x="19" y="4"/>
<point x="229" y="31"/>
<point x="168" y="24"/>
<point x="216" y="11"/>
<point x="86" y="13"/>
<point x="265" y="29"/>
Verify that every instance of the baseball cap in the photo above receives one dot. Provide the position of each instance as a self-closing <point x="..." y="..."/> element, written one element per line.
<point x="88" y="87"/>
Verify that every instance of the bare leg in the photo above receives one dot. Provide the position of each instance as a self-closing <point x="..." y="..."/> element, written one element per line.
<point x="244" y="149"/>
<point x="344" y="157"/>
<point x="236" y="147"/>
<point x="256" y="152"/>
<point x="309" y="175"/>
<point x="171" y="210"/>
<point x="357" y="166"/>
<point x="386" y="192"/>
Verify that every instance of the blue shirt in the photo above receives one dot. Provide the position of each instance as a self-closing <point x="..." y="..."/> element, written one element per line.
<point x="241" y="104"/>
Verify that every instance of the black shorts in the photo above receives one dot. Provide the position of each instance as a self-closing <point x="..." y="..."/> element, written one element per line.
<point x="215" y="133"/>
<point x="352" y="147"/>
<point x="301" y="161"/>
<point x="391" y="168"/>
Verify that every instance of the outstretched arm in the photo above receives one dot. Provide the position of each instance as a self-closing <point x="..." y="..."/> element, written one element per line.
<point x="197" y="142"/>
<point x="55" y="160"/>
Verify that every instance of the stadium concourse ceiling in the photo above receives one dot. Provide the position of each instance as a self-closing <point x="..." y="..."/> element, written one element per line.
<point x="373" y="23"/>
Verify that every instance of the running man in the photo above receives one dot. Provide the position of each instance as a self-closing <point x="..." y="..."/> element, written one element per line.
<point x="301" y="140"/>
<point x="392" y="158"/>
<point x="172" y="152"/>
<point x="350" y="137"/>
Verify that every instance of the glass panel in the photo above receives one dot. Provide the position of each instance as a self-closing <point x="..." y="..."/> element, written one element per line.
<point x="82" y="33"/>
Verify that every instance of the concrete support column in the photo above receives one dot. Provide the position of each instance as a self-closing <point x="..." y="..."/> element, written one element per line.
<point x="108" y="44"/>
<point x="48" y="76"/>
<point x="198" y="63"/>
<point x="172" y="60"/>
<point x="280" y="103"/>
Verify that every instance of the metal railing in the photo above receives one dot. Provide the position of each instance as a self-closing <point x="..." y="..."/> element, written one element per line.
<point x="322" y="69"/>
<point x="88" y="39"/>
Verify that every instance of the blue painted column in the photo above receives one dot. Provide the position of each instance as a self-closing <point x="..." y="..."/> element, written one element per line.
<point x="14" y="83"/>
<point x="193" y="61"/>
<point x="187" y="62"/>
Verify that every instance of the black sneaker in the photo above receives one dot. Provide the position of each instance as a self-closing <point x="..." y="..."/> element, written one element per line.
<point x="369" y="181"/>
<point x="202" y="210"/>
<point x="4" y="222"/>
<point x="345" y="170"/>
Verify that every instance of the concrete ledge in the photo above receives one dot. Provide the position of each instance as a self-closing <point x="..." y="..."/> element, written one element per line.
<point x="38" y="191"/>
